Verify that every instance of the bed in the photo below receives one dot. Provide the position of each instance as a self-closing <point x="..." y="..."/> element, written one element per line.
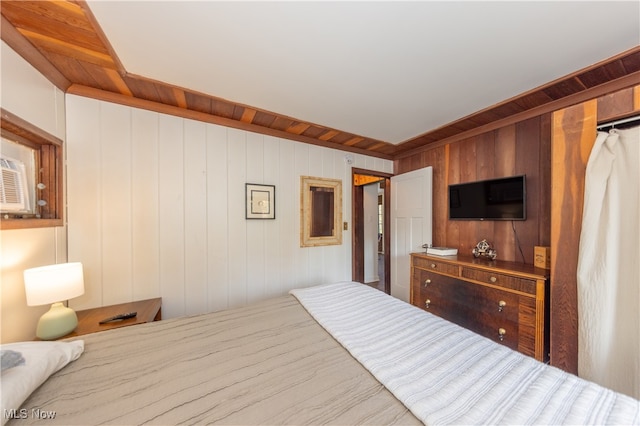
<point x="340" y="353"/>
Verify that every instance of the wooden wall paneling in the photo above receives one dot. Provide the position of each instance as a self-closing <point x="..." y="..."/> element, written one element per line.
<point x="171" y="219"/>
<point x="505" y="165"/>
<point x="573" y="135"/>
<point x="237" y="228"/>
<point x="528" y="163"/>
<point x="83" y="197"/>
<point x="613" y="105"/>
<point x="195" y="217"/>
<point x="272" y="232"/>
<point x="507" y="151"/>
<point x="436" y="158"/>
<point x="217" y="217"/>
<point x="255" y="228"/>
<point x="453" y="176"/>
<point x="144" y="198"/>
<point x="544" y="184"/>
<point x="467" y="171"/>
<point x="115" y="204"/>
<point x="485" y="155"/>
<point x="407" y="164"/>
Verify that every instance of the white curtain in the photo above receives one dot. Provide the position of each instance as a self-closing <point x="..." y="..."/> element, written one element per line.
<point x="609" y="264"/>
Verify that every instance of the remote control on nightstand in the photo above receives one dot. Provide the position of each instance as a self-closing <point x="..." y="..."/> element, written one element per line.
<point x="119" y="317"/>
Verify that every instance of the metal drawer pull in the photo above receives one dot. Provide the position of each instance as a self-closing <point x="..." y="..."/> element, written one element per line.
<point x="427" y="282"/>
<point x="493" y="279"/>
<point x="427" y="303"/>
<point x="433" y="266"/>
<point x="501" y="333"/>
<point x="501" y="305"/>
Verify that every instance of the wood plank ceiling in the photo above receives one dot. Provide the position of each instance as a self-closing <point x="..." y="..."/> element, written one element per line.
<point x="63" y="40"/>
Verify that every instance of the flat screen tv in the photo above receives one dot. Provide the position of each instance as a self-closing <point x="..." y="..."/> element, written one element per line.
<point x="493" y="199"/>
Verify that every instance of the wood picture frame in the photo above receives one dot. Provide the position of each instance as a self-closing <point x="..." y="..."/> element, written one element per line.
<point x="320" y="211"/>
<point x="260" y="201"/>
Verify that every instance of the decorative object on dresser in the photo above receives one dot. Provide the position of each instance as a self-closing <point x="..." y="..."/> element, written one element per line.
<point x="542" y="257"/>
<point x="54" y="284"/>
<point x="483" y="248"/>
<point x="92" y="320"/>
<point x="504" y="301"/>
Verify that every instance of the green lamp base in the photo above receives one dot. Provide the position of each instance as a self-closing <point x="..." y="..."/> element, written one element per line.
<point x="56" y="322"/>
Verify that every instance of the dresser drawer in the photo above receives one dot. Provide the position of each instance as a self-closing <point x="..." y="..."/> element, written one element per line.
<point x="435" y="266"/>
<point x="436" y="294"/>
<point x="469" y="305"/>
<point x="507" y="281"/>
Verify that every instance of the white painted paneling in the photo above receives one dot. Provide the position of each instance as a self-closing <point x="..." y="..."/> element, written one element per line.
<point x="188" y="240"/>
<point x="217" y="218"/>
<point x="273" y="231"/>
<point x="145" y="244"/>
<point x="115" y="203"/>
<point x="29" y="95"/>
<point x="195" y="215"/>
<point x="301" y="162"/>
<point x="237" y="225"/>
<point x="83" y="190"/>
<point x="171" y="205"/>
<point x="288" y="216"/>
<point x="256" y="228"/>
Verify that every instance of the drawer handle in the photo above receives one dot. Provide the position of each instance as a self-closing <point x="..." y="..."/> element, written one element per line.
<point x="501" y="305"/>
<point x="501" y="333"/>
<point x="493" y="279"/>
<point x="427" y="303"/>
<point x="427" y="282"/>
<point x="433" y="266"/>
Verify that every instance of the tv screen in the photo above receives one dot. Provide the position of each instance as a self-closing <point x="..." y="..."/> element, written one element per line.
<point x="493" y="199"/>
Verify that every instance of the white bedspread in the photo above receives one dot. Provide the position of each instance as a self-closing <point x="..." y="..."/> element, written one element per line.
<point x="446" y="374"/>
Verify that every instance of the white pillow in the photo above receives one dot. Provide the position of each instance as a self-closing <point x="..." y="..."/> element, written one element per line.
<point x="41" y="360"/>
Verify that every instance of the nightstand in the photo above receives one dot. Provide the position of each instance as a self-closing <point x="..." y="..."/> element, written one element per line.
<point x="88" y="320"/>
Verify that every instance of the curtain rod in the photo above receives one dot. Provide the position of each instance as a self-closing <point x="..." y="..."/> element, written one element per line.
<point x="612" y="124"/>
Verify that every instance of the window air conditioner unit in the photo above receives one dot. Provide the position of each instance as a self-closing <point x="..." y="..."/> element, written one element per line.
<point x="14" y="196"/>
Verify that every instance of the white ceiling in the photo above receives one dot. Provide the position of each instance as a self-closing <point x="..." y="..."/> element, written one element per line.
<point x="385" y="70"/>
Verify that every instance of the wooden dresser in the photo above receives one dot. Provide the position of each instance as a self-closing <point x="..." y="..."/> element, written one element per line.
<point x="504" y="301"/>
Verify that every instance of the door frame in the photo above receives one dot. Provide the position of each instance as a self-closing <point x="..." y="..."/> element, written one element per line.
<point x="357" y="206"/>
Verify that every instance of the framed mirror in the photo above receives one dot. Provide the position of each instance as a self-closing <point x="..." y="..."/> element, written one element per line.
<point x="320" y="211"/>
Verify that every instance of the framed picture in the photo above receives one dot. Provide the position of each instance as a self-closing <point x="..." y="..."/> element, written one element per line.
<point x="261" y="201"/>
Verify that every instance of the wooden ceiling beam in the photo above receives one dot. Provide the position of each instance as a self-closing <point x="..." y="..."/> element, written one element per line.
<point x="117" y="98"/>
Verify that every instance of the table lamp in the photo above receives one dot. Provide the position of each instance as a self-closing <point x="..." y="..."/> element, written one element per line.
<point x="53" y="284"/>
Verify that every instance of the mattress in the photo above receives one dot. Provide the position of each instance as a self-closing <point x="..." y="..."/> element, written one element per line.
<point x="269" y="363"/>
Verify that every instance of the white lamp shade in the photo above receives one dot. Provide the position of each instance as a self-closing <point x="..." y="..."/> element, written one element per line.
<point x="53" y="283"/>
